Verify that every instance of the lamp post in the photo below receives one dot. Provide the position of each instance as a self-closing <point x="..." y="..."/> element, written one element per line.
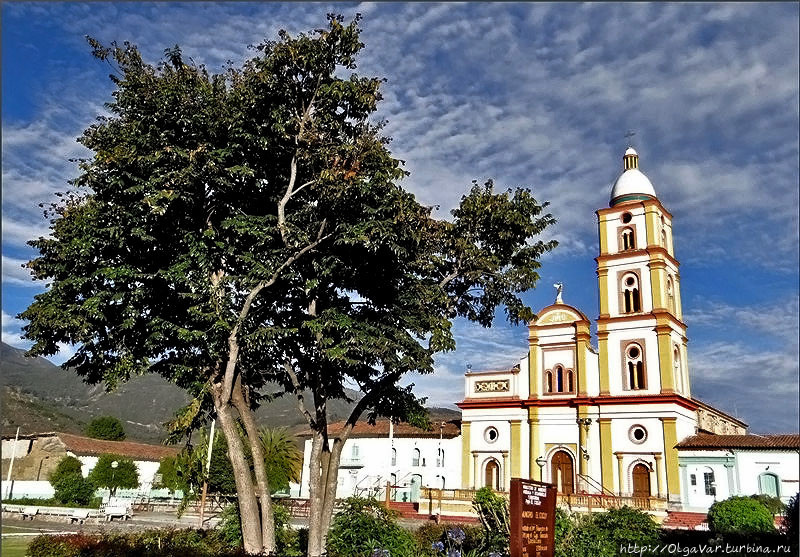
<point x="541" y="461"/>
<point x="114" y="466"/>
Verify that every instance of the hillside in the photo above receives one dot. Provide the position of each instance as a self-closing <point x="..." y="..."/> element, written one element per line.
<point x="40" y="396"/>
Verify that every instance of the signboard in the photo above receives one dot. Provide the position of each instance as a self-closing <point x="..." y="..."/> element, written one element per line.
<point x="533" y="518"/>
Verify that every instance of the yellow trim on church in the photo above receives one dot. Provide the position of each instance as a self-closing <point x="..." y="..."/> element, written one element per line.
<point x="665" y="358"/>
<point x="533" y="436"/>
<point x="516" y="448"/>
<point x="534" y="379"/>
<point x="466" y="461"/>
<point x="606" y="456"/>
<point x="670" y="440"/>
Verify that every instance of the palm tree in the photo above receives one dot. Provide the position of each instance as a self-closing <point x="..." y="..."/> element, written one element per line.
<point x="282" y="457"/>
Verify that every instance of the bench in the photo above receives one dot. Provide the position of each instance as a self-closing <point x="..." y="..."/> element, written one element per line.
<point x="116" y="511"/>
<point x="29" y="512"/>
<point x="79" y="515"/>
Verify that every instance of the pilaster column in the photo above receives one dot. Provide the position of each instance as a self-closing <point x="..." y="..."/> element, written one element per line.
<point x="477" y="473"/>
<point x="583" y="413"/>
<point x="466" y="468"/>
<point x="516" y="448"/>
<point x="659" y="477"/>
<point x="534" y="366"/>
<point x="582" y="337"/>
<point x="602" y="349"/>
<point x="671" y="455"/>
<point x="602" y="283"/>
<point x="606" y="456"/>
<point x="665" y="358"/>
<point x="621" y="474"/>
<point x="533" y="439"/>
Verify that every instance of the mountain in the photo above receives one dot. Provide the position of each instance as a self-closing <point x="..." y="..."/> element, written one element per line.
<point x="39" y="396"/>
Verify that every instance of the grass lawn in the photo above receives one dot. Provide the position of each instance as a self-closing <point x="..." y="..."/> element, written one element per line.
<point x="15" y="546"/>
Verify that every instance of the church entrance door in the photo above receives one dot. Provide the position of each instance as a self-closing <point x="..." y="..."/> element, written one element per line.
<point x="641" y="481"/>
<point x="492" y="476"/>
<point x="562" y="472"/>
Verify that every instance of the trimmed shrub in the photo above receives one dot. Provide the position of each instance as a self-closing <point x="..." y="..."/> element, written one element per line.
<point x="365" y="525"/>
<point x="106" y="427"/>
<point x="740" y="515"/>
<point x="74" y="489"/>
<point x="602" y="534"/>
<point x="430" y="533"/>
<point x="152" y="543"/>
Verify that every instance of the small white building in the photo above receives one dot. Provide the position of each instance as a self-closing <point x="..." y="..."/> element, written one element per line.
<point x="37" y="455"/>
<point x="407" y="457"/>
<point x="715" y="467"/>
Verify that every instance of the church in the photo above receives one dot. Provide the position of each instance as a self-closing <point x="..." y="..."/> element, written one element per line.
<point x="608" y="420"/>
<point x="610" y="425"/>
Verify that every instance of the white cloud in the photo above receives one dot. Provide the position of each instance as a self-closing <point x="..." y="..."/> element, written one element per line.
<point x="12" y="332"/>
<point x="13" y="273"/>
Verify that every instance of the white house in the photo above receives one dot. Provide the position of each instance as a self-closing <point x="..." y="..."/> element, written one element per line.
<point x="405" y="456"/>
<point x="37" y="455"/>
<point x="715" y="467"/>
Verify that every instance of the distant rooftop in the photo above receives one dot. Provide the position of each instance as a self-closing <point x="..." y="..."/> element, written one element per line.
<point x="381" y="429"/>
<point x="86" y="446"/>
<point x="749" y="441"/>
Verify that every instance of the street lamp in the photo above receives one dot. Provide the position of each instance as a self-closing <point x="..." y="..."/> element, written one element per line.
<point x="114" y="466"/>
<point x="541" y="461"/>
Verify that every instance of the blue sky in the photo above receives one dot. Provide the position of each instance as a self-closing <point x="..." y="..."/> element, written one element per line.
<point x="530" y="94"/>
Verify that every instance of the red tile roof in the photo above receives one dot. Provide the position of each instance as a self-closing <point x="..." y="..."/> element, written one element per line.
<point x="450" y="430"/>
<point x="749" y="441"/>
<point x="84" y="446"/>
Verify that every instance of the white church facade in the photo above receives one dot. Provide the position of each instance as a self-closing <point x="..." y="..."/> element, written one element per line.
<point x="616" y="421"/>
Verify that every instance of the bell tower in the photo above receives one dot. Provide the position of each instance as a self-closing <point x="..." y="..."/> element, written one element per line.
<point x="641" y="337"/>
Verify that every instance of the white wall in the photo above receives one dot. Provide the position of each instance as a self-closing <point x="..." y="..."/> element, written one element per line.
<point x="34" y="489"/>
<point x="784" y="464"/>
<point x="366" y="469"/>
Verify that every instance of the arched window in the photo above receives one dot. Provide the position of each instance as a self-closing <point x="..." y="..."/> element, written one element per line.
<point x="394" y="456"/>
<point x="559" y="379"/>
<point x="415" y="458"/>
<point x="549" y="380"/>
<point x="663" y="232"/>
<point x="634" y="365"/>
<point x="440" y="458"/>
<point x="768" y="484"/>
<point x="676" y="366"/>
<point x="627" y="239"/>
<point x="670" y="295"/>
<point x="709" y="482"/>
<point x="631" y="302"/>
<point x="570" y="381"/>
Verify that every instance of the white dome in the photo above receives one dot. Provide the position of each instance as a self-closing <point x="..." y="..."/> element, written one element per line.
<point x="632" y="182"/>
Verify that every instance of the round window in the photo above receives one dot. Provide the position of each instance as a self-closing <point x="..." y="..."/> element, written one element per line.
<point x="630" y="281"/>
<point x="491" y="435"/>
<point x="626" y="218"/>
<point x="633" y="351"/>
<point x="637" y="434"/>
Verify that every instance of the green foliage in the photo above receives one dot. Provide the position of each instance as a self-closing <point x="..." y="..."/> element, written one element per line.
<point x="170" y="478"/>
<point x="430" y="533"/>
<point x="153" y="543"/>
<point x="740" y="515"/>
<point x="602" y="534"/>
<point x="773" y="504"/>
<point x="364" y="525"/>
<point x="67" y="466"/>
<point x="104" y="474"/>
<point x="282" y="457"/>
<point x="492" y="511"/>
<point x="229" y="531"/>
<point x="74" y="489"/>
<point x="106" y="427"/>
<point x="791" y="517"/>
<point x="69" y="484"/>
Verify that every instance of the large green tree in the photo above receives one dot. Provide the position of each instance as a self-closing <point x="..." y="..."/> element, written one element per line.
<point x="113" y="471"/>
<point x="240" y="230"/>
<point x="106" y="427"/>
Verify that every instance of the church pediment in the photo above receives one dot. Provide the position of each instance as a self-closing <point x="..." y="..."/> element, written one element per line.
<point x="559" y="313"/>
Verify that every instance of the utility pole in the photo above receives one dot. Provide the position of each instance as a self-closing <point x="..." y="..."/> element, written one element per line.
<point x="205" y="473"/>
<point x="11" y="465"/>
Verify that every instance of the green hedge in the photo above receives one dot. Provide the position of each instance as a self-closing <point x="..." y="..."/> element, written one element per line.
<point x="741" y="515"/>
<point x="94" y="503"/>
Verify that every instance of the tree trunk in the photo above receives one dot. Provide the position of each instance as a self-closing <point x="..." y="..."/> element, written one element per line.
<point x="248" y="505"/>
<point x="315" y="537"/>
<point x="329" y="486"/>
<point x="267" y="520"/>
